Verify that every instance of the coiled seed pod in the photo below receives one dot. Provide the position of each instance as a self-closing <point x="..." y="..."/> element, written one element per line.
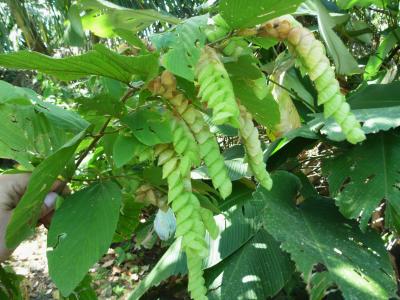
<point x="146" y="194"/>
<point x="209" y="151"/>
<point x="209" y="222"/>
<point x="184" y="142"/>
<point x="184" y="203"/>
<point x="189" y="222"/>
<point x="208" y="146"/>
<point x="216" y="88"/>
<point x="249" y="135"/>
<point x="196" y="284"/>
<point x="236" y="47"/>
<point x="312" y="56"/>
<point x="218" y="30"/>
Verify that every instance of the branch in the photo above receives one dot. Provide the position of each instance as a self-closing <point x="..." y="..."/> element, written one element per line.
<point x="102" y="131"/>
<point x="95" y="140"/>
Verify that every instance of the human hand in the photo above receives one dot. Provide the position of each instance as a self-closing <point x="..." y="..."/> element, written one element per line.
<point x="12" y="188"/>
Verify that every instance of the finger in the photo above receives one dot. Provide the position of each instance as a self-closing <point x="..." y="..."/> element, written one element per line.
<point x="49" y="204"/>
<point x="12" y="188"/>
<point x="4" y="252"/>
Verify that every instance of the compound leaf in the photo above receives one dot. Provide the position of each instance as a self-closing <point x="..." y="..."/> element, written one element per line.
<point x="317" y="237"/>
<point x="362" y="177"/>
<point x="99" y="61"/>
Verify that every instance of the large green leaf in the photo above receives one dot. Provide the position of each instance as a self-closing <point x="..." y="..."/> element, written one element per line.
<point x="26" y="214"/>
<point x="346" y="4"/>
<point x="317" y="236"/>
<point x="105" y="18"/>
<point x="362" y="177"/>
<point x="376" y="96"/>
<point x="374" y="120"/>
<point x="99" y="61"/>
<point x="375" y="61"/>
<point x="81" y="232"/>
<point x="33" y="129"/>
<point x="240" y="14"/>
<point x="258" y="270"/>
<point x="188" y="38"/>
<point x="344" y="61"/>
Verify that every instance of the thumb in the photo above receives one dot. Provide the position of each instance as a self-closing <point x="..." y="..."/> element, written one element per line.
<point x="49" y="204"/>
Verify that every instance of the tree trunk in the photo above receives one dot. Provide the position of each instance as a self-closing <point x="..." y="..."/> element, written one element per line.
<point x="28" y="29"/>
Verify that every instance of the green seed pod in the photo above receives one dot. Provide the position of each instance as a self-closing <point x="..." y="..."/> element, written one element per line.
<point x="184" y="141"/>
<point x="312" y="55"/>
<point x="196" y="284"/>
<point x="217" y="30"/>
<point x="191" y="219"/>
<point x="209" y="222"/>
<point x="208" y="146"/>
<point x="236" y="47"/>
<point x="216" y="88"/>
<point x="249" y="135"/>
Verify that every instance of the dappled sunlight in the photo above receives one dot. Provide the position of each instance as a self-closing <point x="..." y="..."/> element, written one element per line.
<point x="359" y="281"/>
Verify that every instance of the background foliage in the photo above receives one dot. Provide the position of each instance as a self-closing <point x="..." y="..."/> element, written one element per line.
<point x="75" y="104"/>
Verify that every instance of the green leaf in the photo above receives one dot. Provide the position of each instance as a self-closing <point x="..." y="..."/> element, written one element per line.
<point x="132" y="39"/>
<point x="26" y="214"/>
<point x="99" y="61"/>
<point x="236" y="168"/>
<point x="128" y="219"/>
<point x="258" y="270"/>
<point x="320" y="283"/>
<point x="84" y="291"/>
<point x="124" y="150"/>
<point x="265" y="111"/>
<point x="239" y="14"/>
<point x="102" y="104"/>
<point x="344" y="61"/>
<point x="74" y="34"/>
<point x="106" y="17"/>
<point x="149" y="126"/>
<point x="184" y="54"/>
<point x="245" y="67"/>
<point x="295" y="83"/>
<point x="365" y="175"/>
<point x="376" y="96"/>
<point x="33" y="129"/>
<point x="346" y="4"/>
<point x="10" y="284"/>
<point x="375" y="61"/>
<point x="15" y="94"/>
<point x="374" y="120"/>
<point x="173" y="262"/>
<point x="357" y="263"/>
<point x="81" y="232"/>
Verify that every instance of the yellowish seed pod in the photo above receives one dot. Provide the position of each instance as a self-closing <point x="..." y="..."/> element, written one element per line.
<point x="216" y="88"/>
<point x="249" y="134"/>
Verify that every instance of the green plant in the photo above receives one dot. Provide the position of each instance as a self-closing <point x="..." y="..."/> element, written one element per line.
<point x="185" y="124"/>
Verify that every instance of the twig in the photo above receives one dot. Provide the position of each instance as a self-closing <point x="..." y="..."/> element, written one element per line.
<point x="95" y="140"/>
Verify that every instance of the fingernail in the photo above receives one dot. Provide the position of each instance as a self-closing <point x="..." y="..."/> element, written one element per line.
<point x="50" y="199"/>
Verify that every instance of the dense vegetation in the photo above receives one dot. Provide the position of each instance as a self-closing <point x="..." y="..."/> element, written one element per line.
<point x="258" y="142"/>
